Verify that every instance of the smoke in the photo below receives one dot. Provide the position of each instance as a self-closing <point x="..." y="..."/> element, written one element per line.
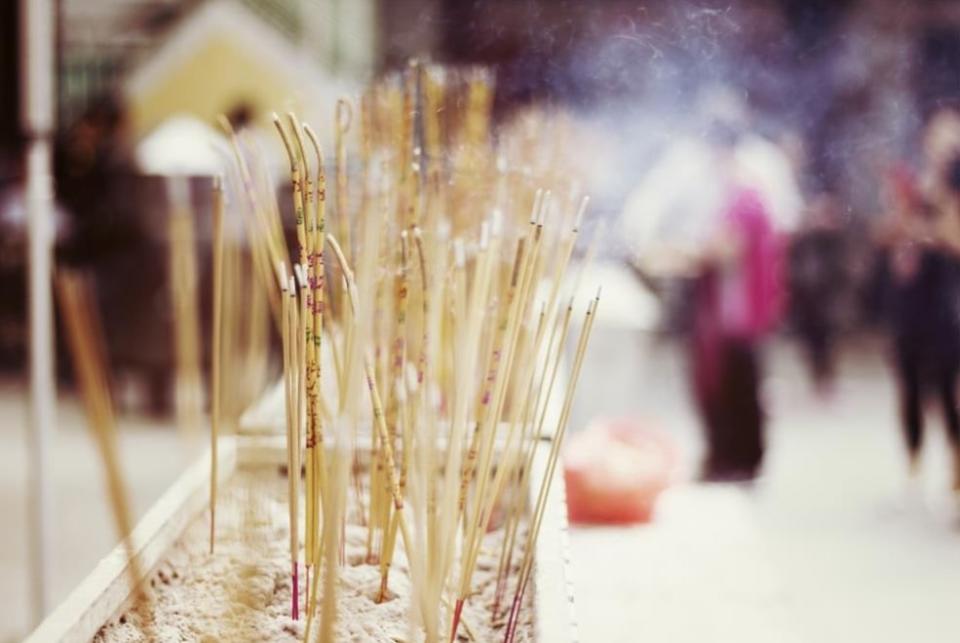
<point x="842" y="81"/>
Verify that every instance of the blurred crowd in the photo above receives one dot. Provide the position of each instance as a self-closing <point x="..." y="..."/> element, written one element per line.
<point x="721" y="228"/>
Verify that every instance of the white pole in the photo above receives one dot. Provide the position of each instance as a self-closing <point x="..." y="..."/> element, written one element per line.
<point x="37" y="117"/>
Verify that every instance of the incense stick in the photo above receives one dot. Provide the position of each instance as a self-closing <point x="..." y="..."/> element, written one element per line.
<point x="551" y="365"/>
<point x="268" y="250"/>
<point x="85" y="341"/>
<point x="219" y="204"/>
<point x="525" y="568"/>
<point x="306" y="222"/>
<point x="183" y="298"/>
<point x="344" y="118"/>
<point x="450" y="372"/>
<point x="290" y="345"/>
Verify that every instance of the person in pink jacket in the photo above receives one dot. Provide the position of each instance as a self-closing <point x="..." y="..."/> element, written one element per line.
<point x="738" y="297"/>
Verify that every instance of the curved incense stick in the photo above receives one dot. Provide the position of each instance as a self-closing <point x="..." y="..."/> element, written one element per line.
<point x="315" y="272"/>
<point x="299" y="175"/>
<point x="267" y="249"/>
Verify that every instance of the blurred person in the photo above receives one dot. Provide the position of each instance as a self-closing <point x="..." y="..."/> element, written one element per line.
<point x="737" y="297"/>
<point x="711" y="213"/>
<point x="817" y="286"/>
<point x="679" y="196"/>
<point x="114" y="238"/>
<point x="922" y="241"/>
<point x="90" y="155"/>
<point x="669" y="214"/>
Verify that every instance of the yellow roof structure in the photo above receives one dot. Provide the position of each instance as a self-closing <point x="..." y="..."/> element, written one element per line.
<point x="222" y="57"/>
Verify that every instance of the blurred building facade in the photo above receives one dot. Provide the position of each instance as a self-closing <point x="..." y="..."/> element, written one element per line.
<point x="224" y="59"/>
<point x="101" y="42"/>
<point x="849" y="82"/>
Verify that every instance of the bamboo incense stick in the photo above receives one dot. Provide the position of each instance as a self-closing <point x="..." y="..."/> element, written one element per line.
<point x="268" y="250"/>
<point x="397" y="373"/>
<point x="551" y="365"/>
<point x="216" y="357"/>
<point x="525" y="568"/>
<point x="304" y="366"/>
<point x="289" y="343"/>
<point x="376" y="400"/>
<point x="378" y="415"/>
<point x="344" y="117"/>
<point x="300" y="175"/>
<point x="183" y="298"/>
<point x="331" y="526"/>
<point x="512" y="447"/>
<point x="587" y="262"/>
<point x="85" y="340"/>
<point x="509" y="466"/>
<point x="517" y="296"/>
<point x="565" y="253"/>
<point x="316" y="274"/>
<point x="485" y="264"/>
<point x="293" y="446"/>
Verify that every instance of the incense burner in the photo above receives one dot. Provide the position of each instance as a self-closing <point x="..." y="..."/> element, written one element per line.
<point x="105" y="595"/>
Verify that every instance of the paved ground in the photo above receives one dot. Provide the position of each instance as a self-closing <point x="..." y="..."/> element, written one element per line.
<point x="833" y="545"/>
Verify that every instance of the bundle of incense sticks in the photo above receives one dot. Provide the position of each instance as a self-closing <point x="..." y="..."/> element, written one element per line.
<point x="242" y="237"/>
<point x="447" y="271"/>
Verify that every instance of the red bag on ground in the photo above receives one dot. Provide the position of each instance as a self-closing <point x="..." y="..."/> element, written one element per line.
<point x="614" y="471"/>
